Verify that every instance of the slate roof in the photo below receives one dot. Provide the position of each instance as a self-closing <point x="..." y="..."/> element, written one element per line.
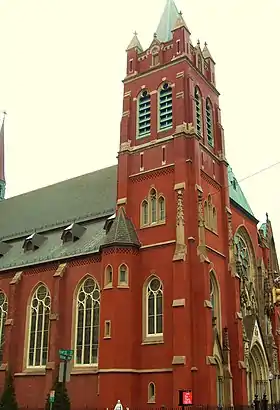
<point x="122" y="232"/>
<point x="88" y="199"/>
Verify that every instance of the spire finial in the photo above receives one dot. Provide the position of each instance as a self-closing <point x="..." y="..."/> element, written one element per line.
<point x="135" y="33"/>
<point x="198" y="42"/>
<point x="205" y="44"/>
<point x="155" y="35"/>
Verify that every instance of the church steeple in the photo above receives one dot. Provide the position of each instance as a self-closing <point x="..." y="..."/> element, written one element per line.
<point x="168" y="21"/>
<point x="2" y="161"/>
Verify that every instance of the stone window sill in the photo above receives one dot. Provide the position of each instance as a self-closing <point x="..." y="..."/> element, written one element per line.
<point x="153" y="224"/>
<point x="154" y="340"/>
<point x="32" y="372"/>
<point x="124" y="286"/>
<point x="84" y="370"/>
<point x="109" y="286"/>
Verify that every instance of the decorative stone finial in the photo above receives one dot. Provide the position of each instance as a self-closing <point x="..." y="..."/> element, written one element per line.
<point x="205" y="44"/>
<point x="198" y="42"/>
<point x="135" y="33"/>
<point x="155" y="35"/>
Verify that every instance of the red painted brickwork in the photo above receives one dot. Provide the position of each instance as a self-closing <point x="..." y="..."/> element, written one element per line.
<point x="126" y="364"/>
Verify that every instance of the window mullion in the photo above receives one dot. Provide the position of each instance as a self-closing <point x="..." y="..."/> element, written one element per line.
<point x="155" y="313"/>
<point x="42" y="337"/>
<point x="35" y="334"/>
<point x="84" y="331"/>
<point x="91" y="331"/>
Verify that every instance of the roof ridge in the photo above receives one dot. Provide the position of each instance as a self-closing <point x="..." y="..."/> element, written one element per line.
<point x="59" y="182"/>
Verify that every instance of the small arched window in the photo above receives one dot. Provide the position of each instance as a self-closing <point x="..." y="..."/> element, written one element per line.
<point x="165" y="107"/>
<point x="3" y="316"/>
<point x="206" y="216"/>
<point x="209" y="123"/>
<point x="108" y="276"/>
<point x="151" y="393"/>
<point x="39" y="316"/>
<point x="87" y="323"/>
<point x="214" y="219"/>
<point x="153" y="205"/>
<point x="145" y="213"/>
<point x="123" y="275"/>
<point x="198" y="111"/>
<point x="154" y="307"/>
<point x="161" y="209"/>
<point x="215" y="301"/>
<point x="144" y="114"/>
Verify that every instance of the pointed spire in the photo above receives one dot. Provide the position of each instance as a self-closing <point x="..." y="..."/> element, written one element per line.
<point x="168" y="21"/>
<point x="135" y="43"/>
<point x="2" y="160"/>
<point x="180" y="22"/>
<point x="206" y="52"/>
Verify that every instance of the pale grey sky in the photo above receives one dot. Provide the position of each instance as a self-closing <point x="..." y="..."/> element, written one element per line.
<point x="61" y="66"/>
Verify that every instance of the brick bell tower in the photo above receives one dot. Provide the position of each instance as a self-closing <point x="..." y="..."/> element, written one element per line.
<point x="170" y="135"/>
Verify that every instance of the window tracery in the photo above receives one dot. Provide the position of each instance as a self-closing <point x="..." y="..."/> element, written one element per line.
<point x="38" y="338"/>
<point x="152" y="211"/>
<point x="87" y="323"/>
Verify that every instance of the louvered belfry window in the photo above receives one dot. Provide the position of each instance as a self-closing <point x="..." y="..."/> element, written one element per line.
<point x="165" y="107"/>
<point x="144" y="114"/>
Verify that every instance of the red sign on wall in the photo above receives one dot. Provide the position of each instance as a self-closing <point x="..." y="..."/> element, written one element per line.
<point x="185" y="398"/>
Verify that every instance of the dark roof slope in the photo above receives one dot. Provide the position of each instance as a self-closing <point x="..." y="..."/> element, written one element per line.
<point x="122" y="232"/>
<point x="83" y="198"/>
<point x="88" y="199"/>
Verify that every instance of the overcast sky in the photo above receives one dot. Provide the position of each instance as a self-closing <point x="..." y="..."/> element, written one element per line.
<point x="61" y="66"/>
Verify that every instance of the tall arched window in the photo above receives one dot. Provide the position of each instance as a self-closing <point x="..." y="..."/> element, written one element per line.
<point x="151" y="392"/>
<point x="154" y="307"/>
<point x="165" y="107"/>
<point x="39" y="316"/>
<point x="242" y="255"/>
<point x="144" y="213"/>
<point x="215" y="301"/>
<point x="209" y="123"/>
<point x="153" y="205"/>
<point x="87" y="323"/>
<point x="144" y="114"/>
<point x="198" y="111"/>
<point x="161" y="209"/>
<point x="3" y="316"/>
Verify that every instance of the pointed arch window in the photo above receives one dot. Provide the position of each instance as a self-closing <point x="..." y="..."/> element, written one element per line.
<point x="87" y="323"/>
<point x="3" y="316"/>
<point x="154" y="307"/>
<point x="215" y="301"/>
<point x="198" y="110"/>
<point x="39" y="316"/>
<point x="144" y="114"/>
<point x="151" y="393"/>
<point x="209" y="123"/>
<point x="145" y="213"/>
<point x="108" y="276"/>
<point x="123" y="275"/>
<point x="153" y="204"/>
<point x="165" y="107"/>
<point x="161" y="209"/>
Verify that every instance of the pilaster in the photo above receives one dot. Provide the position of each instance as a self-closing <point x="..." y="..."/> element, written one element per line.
<point x="10" y="341"/>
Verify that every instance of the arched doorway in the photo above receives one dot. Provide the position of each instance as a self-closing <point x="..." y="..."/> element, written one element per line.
<point x="257" y="375"/>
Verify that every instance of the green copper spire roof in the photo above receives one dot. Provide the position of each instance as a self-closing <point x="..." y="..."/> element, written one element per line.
<point x="236" y="194"/>
<point x="168" y="21"/>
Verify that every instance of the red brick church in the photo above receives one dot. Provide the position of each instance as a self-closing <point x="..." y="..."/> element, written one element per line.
<point x="153" y="271"/>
